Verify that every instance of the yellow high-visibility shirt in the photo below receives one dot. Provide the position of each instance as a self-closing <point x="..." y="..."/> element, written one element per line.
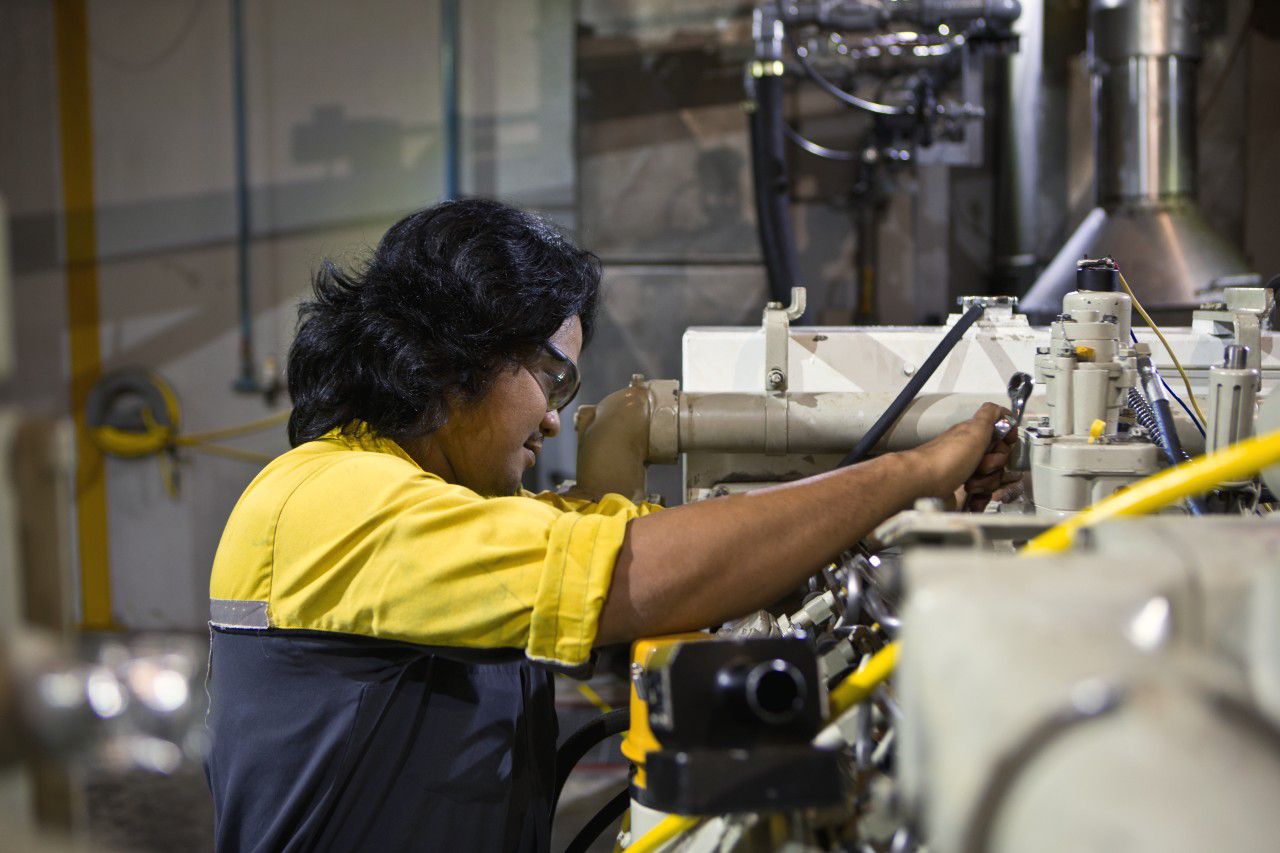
<point x="348" y="534"/>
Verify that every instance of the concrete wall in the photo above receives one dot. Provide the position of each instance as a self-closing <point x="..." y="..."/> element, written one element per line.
<point x="343" y="138"/>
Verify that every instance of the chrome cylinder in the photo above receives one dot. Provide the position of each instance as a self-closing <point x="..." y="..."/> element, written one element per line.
<point x="1144" y="55"/>
<point x="1146" y="134"/>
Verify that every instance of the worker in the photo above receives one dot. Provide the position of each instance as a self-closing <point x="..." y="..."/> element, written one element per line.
<point x="388" y="606"/>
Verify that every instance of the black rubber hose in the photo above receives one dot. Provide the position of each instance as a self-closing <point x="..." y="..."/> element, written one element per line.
<point x="608" y="813"/>
<point x="1157" y="419"/>
<point x="1173" y="446"/>
<point x="772" y="188"/>
<point x="921" y="376"/>
<point x="583" y="740"/>
<point x="1168" y="432"/>
<point x="1147" y="419"/>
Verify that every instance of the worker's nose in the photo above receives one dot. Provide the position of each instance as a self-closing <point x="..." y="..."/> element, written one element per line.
<point x="550" y="425"/>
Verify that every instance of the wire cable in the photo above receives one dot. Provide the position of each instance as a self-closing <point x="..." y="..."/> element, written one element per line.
<point x="1239" y="461"/>
<point x="917" y="381"/>
<point x="159" y="57"/>
<point x="193" y="438"/>
<point x="667" y="829"/>
<point x="233" y="453"/>
<point x="600" y="821"/>
<point x="1191" y="416"/>
<point x="583" y="741"/>
<point x="862" y="683"/>
<point x="1159" y="334"/>
<point x="1169" y="388"/>
<point x="830" y="88"/>
<point x="817" y="149"/>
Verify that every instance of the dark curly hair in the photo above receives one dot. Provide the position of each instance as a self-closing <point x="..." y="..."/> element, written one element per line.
<point x="452" y="295"/>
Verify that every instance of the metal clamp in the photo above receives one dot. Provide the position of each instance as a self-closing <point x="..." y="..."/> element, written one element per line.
<point x="777" y="339"/>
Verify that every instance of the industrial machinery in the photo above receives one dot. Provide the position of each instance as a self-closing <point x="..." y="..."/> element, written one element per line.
<point x="925" y="61"/>
<point x="1142" y="58"/>
<point x="1042" y="675"/>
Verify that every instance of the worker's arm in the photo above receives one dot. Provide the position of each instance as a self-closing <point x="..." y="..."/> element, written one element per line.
<point x="700" y="564"/>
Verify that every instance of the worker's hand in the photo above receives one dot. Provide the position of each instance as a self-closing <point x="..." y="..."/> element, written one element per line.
<point x="992" y="476"/>
<point x="963" y="454"/>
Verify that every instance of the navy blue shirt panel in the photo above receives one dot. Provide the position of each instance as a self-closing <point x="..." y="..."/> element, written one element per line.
<point x="333" y="742"/>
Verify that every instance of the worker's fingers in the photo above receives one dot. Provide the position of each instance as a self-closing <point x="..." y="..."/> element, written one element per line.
<point x="992" y="462"/>
<point x="993" y="479"/>
<point x="989" y="413"/>
<point x="984" y="485"/>
<point x="1009" y="493"/>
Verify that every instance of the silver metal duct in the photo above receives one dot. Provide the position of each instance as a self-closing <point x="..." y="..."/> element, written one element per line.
<point x="1143" y="55"/>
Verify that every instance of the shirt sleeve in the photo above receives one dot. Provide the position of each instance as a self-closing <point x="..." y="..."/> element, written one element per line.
<point x="367" y="548"/>
<point x="609" y="503"/>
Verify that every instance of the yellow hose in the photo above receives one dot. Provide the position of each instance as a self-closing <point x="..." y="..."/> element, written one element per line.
<point x="667" y="829"/>
<point x="190" y="438"/>
<point x="1237" y="462"/>
<point x="861" y="684"/>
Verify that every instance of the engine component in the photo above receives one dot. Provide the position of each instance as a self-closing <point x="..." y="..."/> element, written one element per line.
<point x="1096" y="688"/>
<point x="930" y="107"/>
<point x="732" y="723"/>
<point x="1078" y="455"/>
<point x="1233" y="399"/>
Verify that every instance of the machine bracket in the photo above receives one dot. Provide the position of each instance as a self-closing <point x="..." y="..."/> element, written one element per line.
<point x="777" y="338"/>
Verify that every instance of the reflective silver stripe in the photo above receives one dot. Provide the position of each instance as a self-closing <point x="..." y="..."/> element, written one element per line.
<point x="226" y="613"/>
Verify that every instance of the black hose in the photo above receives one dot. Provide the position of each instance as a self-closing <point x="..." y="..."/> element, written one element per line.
<point x="772" y="191"/>
<point x="608" y="813"/>
<point x="904" y="398"/>
<point x="1146" y="418"/>
<point x="583" y="740"/>
<point x="1156" y="417"/>
<point x="835" y="91"/>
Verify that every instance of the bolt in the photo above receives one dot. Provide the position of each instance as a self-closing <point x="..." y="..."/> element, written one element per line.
<point x="908" y="369"/>
<point x="777" y="379"/>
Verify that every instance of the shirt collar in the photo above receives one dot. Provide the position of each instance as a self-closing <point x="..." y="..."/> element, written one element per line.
<point x="358" y="435"/>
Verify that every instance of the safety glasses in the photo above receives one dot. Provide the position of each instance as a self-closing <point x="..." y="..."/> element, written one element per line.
<point x="558" y="376"/>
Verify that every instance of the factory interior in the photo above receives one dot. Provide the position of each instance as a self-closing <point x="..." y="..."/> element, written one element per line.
<point x="827" y="232"/>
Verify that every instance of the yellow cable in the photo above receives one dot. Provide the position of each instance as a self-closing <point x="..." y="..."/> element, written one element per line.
<point x="1177" y="364"/>
<point x="233" y="453"/>
<point x="1237" y="462"/>
<point x="861" y="684"/>
<point x="667" y="829"/>
<point x="190" y="438"/>
<point x="594" y="698"/>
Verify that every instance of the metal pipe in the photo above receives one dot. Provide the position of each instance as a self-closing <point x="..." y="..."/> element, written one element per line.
<point x="828" y="422"/>
<point x="449" y="91"/>
<point x="652" y="422"/>
<point x="613" y="443"/>
<point x="246" y="381"/>
<point x="1144" y="54"/>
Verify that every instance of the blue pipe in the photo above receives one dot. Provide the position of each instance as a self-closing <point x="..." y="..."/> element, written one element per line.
<point x="247" y="380"/>
<point x="449" y="82"/>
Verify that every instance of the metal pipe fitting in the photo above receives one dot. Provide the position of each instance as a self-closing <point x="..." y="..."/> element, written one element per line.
<point x="651" y="421"/>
